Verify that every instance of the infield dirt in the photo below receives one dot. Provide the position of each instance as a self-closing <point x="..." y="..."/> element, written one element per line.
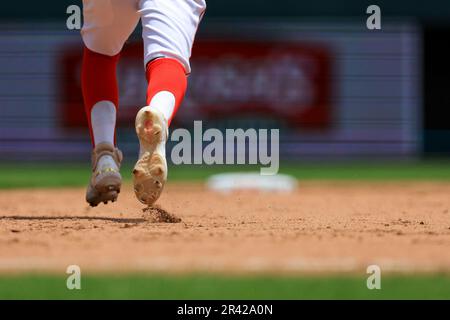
<point x="322" y="227"/>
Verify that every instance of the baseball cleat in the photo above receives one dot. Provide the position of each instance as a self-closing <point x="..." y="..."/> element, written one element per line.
<point x="150" y="171"/>
<point x="106" y="180"/>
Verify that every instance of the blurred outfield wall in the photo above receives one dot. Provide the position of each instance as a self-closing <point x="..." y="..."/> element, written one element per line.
<point x="333" y="88"/>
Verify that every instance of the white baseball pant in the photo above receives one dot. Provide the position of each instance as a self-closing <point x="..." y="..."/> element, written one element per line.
<point x="168" y="26"/>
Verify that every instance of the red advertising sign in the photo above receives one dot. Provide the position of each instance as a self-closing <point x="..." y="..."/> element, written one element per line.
<point x="230" y="79"/>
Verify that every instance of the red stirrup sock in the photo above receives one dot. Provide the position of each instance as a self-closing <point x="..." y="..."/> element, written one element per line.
<point x="100" y="94"/>
<point x="167" y="85"/>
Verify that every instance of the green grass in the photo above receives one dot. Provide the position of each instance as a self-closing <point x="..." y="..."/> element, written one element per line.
<point x="224" y="287"/>
<point x="67" y="175"/>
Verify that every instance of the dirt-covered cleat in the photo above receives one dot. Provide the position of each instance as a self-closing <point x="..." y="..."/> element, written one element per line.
<point x="106" y="181"/>
<point x="150" y="171"/>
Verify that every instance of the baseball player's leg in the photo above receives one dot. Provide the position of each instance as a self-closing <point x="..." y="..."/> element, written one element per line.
<point x="169" y="29"/>
<point x="107" y="25"/>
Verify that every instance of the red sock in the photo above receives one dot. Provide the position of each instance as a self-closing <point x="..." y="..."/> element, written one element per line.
<point x="98" y="81"/>
<point x="165" y="74"/>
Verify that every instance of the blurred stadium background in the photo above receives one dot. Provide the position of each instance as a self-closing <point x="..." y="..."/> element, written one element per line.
<point x="336" y="89"/>
<point x="341" y="95"/>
